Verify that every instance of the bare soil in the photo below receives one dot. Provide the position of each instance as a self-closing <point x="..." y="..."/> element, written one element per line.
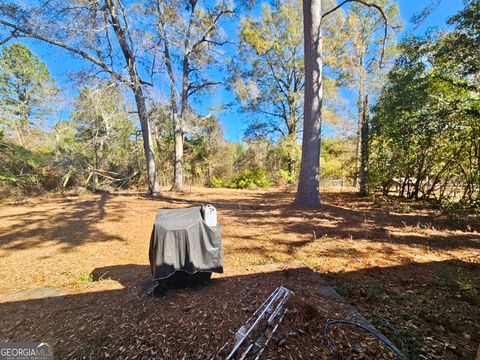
<point x="412" y="270"/>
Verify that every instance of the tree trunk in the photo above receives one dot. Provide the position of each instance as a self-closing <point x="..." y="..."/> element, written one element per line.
<point x="364" y="151"/>
<point x="178" y="166"/>
<point x="178" y="135"/>
<point x="136" y="86"/>
<point x="308" y="184"/>
<point x="180" y="128"/>
<point x="177" y="127"/>
<point x="416" y="189"/>
<point x="179" y="124"/>
<point x="360" y="119"/>
<point x="94" y="171"/>
<point x="291" y="166"/>
<point x="152" y="176"/>
<point x="358" y="137"/>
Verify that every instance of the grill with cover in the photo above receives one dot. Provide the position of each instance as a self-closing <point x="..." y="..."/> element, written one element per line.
<point x="181" y="240"/>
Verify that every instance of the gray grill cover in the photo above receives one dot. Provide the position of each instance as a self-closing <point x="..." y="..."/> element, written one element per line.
<point x="181" y="240"/>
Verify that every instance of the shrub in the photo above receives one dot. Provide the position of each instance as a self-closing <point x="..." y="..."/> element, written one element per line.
<point x="286" y="177"/>
<point x="84" y="279"/>
<point x="216" y="182"/>
<point x="250" y="179"/>
<point x="20" y="168"/>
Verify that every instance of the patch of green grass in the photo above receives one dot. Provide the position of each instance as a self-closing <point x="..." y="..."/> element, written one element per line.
<point x="459" y="284"/>
<point x="405" y="209"/>
<point x="84" y="279"/>
<point x="467" y="289"/>
<point x="343" y="290"/>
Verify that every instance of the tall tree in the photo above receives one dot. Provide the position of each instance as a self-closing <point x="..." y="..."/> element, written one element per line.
<point x="191" y="33"/>
<point x="105" y="34"/>
<point x="364" y="29"/>
<point x="26" y="92"/>
<point x="268" y="73"/>
<point x="268" y="76"/>
<point x="308" y="184"/>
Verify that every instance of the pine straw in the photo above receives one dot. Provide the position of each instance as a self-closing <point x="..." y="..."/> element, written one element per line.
<point x="418" y="271"/>
<point x="187" y="323"/>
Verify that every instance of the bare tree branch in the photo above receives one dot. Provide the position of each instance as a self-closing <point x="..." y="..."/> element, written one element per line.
<point x="22" y="32"/>
<point x="211" y="28"/>
<point x="418" y="18"/>
<point x="372" y="5"/>
<point x="194" y="88"/>
<point x="12" y="35"/>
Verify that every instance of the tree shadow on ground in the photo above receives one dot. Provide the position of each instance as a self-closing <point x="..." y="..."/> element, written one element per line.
<point x="247" y="202"/>
<point x="65" y="221"/>
<point x="417" y="305"/>
<point x="431" y="310"/>
<point x="356" y="219"/>
<point x="341" y="215"/>
<point x="187" y="323"/>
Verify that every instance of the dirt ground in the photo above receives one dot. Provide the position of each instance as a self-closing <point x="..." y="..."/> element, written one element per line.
<point x="413" y="271"/>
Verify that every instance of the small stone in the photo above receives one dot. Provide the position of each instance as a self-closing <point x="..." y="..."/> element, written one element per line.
<point x="282" y="342"/>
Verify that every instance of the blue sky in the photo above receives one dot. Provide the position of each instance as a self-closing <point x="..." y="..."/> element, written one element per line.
<point x="59" y="63"/>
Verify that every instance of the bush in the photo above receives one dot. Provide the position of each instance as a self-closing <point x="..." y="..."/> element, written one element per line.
<point x="20" y="168"/>
<point x="464" y="204"/>
<point x="216" y="182"/>
<point x="249" y="179"/>
<point x="286" y="177"/>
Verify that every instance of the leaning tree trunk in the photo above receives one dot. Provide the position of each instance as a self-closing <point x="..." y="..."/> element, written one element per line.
<point x="136" y="86"/>
<point x="308" y="183"/>
<point x="152" y="176"/>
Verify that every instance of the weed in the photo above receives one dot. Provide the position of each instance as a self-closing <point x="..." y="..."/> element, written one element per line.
<point x="405" y="209"/>
<point x="343" y="290"/>
<point x="85" y="279"/>
<point x="467" y="288"/>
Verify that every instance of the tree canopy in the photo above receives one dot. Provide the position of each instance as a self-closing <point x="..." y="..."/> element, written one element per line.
<point x="399" y="117"/>
<point x="26" y="92"/>
<point x="426" y="123"/>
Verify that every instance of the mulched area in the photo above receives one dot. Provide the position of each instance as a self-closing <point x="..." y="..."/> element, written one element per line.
<point x="186" y="323"/>
<point x="412" y="270"/>
<point x="435" y="307"/>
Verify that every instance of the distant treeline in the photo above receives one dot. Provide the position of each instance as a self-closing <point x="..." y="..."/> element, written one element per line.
<point x="99" y="147"/>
